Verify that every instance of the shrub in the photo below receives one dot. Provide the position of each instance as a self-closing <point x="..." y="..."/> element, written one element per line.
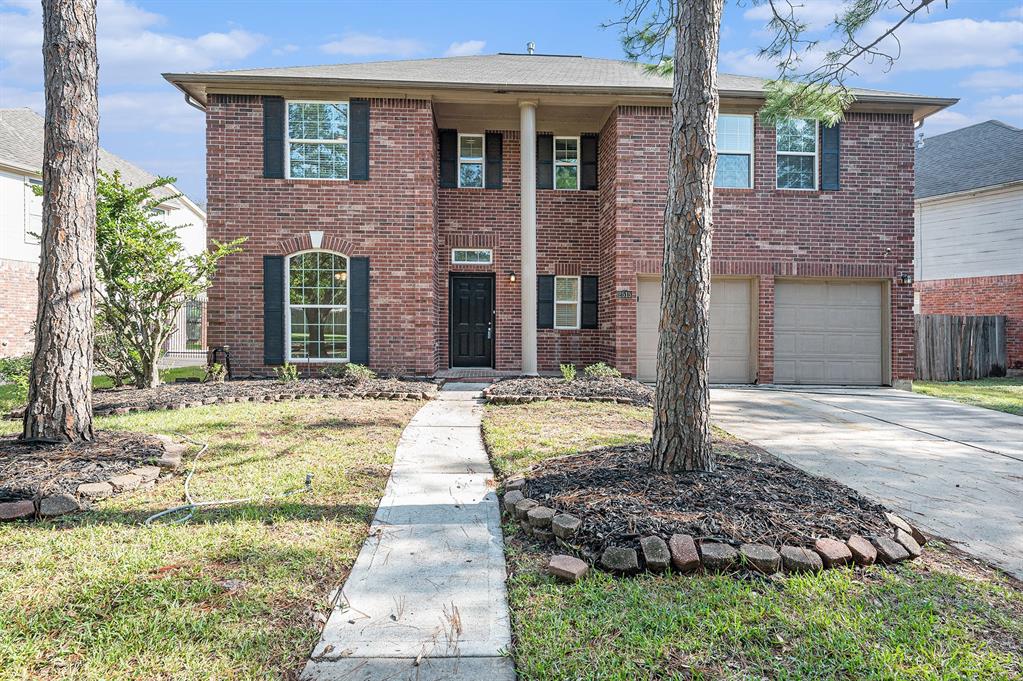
<point x="568" y="372"/>
<point x="601" y="370"/>
<point x="15" y="370"/>
<point x="215" y="373"/>
<point x="349" y="372"/>
<point x="287" y="373"/>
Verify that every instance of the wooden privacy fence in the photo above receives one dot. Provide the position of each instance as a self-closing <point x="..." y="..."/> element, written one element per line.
<point x="955" y="348"/>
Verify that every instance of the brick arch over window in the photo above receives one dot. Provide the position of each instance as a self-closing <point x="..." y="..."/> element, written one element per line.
<point x="298" y="244"/>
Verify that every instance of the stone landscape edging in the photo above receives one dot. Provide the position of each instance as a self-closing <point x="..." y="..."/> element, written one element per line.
<point x="273" y="397"/>
<point x="267" y="397"/>
<point x="140" y="477"/>
<point x="687" y="555"/>
<point x="523" y="399"/>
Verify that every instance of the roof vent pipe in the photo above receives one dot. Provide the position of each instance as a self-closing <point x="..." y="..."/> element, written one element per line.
<point x="530" y="47"/>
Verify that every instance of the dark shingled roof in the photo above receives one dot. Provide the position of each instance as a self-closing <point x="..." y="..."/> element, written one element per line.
<point x="982" y="155"/>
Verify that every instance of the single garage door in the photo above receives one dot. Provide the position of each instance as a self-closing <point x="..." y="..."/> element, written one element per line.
<point x="828" y="332"/>
<point x="730" y="314"/>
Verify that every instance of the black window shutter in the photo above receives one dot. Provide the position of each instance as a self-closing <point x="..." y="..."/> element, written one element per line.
<point x="273" y="309"/>
<point x="829" y="157"/>
<point x="588" y="162"/>
<point x="358" y="139"/>
<point x="545" y="161"/>
<point x="545" y="301"/>
<point x="588" y="314"/>
<point x="358" y="318"/>
<point x="448" y="158"/>
<point x="273" y="137"/>
<point x="495" y="160"/>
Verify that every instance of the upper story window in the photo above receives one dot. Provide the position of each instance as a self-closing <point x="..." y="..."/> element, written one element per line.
<point x="566" y="162"/>
<point x="472" y="256"/>
<point x="470" y="161"/>
<point x="317" y="299"/>
<point x="566" y="302"/>
<point x="317" y="134"/>
<point x="797" y="153"/>
<point x="735" y="151"/>
<point x="33" y="222"/>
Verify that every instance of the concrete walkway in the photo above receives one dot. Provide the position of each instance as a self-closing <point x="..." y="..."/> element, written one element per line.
<point x="953" y="469"/>
<point x="426" y="599"/>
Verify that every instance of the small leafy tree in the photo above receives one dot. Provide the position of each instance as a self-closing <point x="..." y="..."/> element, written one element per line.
<point x="145" y="276"/>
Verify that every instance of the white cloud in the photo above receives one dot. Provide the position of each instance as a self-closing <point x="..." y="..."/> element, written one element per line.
<point x="1014" y="12"/>
<point x="128" y="47"/>
<point x="994" y="80"/>
<point x="160" y="111"/>
<point x="745" y="62"/>
<point x="285" y="49"/>
<point x="465" y="49"/>
<point x="1004" y="107"/>
<point x="816" y="14"/>
<point x="16" y="98"/>
<point x="949" y="44"/>
<point x="365" y="45"/>
<point x="946" y="120"/>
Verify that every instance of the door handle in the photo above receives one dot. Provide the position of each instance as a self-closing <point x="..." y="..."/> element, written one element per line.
<point x="490" y="331"/>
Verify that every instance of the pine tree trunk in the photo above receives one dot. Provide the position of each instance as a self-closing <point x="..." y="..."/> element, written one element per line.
<point x="60" y="387"/>
<point x="681" y="419"/>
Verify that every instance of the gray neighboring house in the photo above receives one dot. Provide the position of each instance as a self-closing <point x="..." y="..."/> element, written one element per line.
<point x="969" y="226"/>
<point x="21" y="214"/>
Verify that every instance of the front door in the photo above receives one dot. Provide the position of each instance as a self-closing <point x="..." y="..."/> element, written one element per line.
<point x="472" y="320"/>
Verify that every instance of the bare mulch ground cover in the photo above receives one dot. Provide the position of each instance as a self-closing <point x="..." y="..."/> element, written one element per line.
<point x="557" y="388"/>
<point x="752" y="497"/>
<point x="29" y="470"/>
<point x="188" y="394"/>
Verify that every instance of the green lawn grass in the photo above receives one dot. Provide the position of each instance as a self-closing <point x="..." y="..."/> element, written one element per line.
<point x="12" y="398"/>
<point x="942" y="617"/>
<point x="97" y="595"/>
<point x="1002" y="394"/>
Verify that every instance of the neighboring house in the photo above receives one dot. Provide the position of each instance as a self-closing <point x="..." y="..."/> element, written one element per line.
<point x="21" y="213"/>
<point x="506" y="211"/>
<point x="969" y="227"/>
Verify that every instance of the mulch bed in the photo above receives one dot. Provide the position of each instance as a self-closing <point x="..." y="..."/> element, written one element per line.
<point x="622" y="390"/>
<point x="38" y="470"/>
<point x="752" y="497"/>
<point x="179" y="395"/>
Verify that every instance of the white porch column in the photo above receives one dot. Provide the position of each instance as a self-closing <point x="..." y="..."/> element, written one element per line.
<point x="527" y="209"/>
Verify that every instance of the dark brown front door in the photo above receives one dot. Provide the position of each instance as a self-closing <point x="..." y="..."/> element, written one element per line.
<point x="472" y="320"/>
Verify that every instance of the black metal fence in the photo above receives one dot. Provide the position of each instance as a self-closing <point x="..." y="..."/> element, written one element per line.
<point x="187" y="343"/>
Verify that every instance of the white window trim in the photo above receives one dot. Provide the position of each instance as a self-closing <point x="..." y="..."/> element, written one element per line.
<point x="288" y="141"/>
<point x="577" y="164"/>
<point x="816" y="160"/>
<point x="577" y="301"/>
<point x="488" y="251"/>
<point x="287" y="311"/>
<point x="751" y="153"/>
<point x="30" y="198"/>
<point x="482" y="162"/>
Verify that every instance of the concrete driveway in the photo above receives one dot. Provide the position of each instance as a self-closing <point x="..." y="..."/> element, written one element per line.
<point x="955" y="470"/>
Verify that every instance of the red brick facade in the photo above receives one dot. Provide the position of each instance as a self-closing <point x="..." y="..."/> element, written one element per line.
<point x="1001" y="295"/>
<point x="407" y="227"/>
<point x="864" y="230"/>
<point x="18" y="312"/>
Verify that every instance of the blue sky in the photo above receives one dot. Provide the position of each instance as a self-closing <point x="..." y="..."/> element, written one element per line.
<point x="972" y="50"/>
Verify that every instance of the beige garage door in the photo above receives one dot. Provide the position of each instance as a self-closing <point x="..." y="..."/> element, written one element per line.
<point x="729" y="330"/>
<point x="828" y="332"/>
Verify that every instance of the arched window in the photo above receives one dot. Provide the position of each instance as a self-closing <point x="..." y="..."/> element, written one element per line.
<point x="317" y="319"/>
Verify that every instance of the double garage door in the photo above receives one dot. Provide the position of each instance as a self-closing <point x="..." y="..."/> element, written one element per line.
<point x="825" y="332"/>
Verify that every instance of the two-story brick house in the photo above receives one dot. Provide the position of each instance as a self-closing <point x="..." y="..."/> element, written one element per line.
<point x="506" y="211"/>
